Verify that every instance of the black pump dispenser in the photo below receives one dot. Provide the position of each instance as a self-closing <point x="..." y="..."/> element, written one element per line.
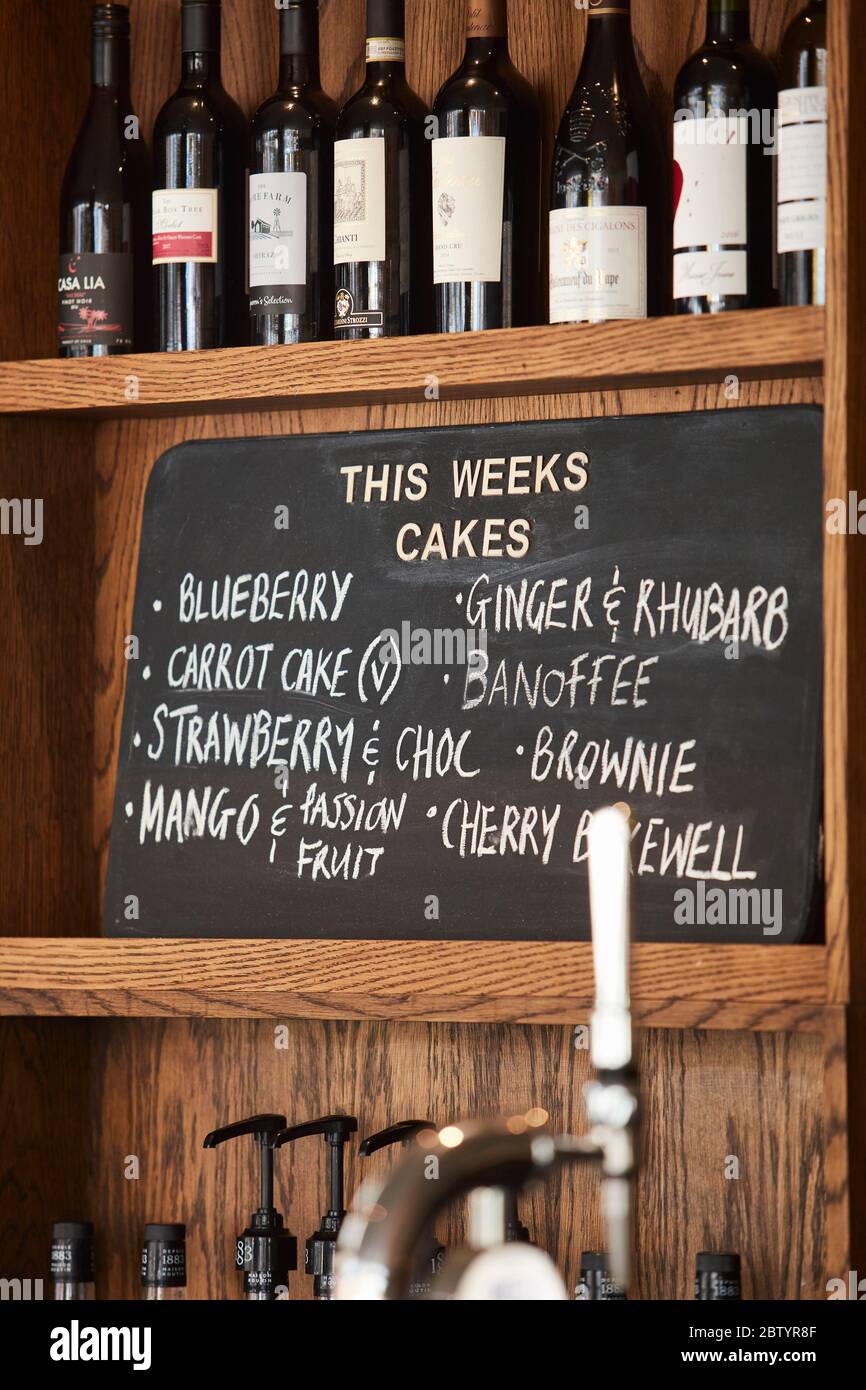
<point x="320" y="1248"/>
<point x="266" y="1251"/>
<point x="403" y="1133"/>
<point x="514" y="1227"/>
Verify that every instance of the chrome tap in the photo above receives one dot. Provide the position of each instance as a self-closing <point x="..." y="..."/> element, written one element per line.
<point x="376" y="1252"/>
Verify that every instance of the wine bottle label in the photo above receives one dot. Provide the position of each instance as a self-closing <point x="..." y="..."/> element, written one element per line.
<point x="185" y="225"/>
<point x="163" y="1264"/>
<point x="359" y="201"/>
<point x="468" y="206"/>
<point x="72" y="1260"/>
<point x="710" y="232"/>
<point x="598" y="267"/>
<point x="278" y="243"/>
<point x="487" y="19"/>
<point x="386" y="50"/>
<point x="95" y="300"/>
<point x="347" y="315"/>
<point x="802" y="187"/>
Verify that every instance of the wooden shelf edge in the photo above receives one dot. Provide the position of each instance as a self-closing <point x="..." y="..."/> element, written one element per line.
<point x="754" y="344"/>
<point x="759" y="988"/>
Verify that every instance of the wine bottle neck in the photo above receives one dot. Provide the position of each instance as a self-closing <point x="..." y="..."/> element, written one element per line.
<point x="486" y="26"/>
<point x="110" y="61"/>
<point x="728" y="21"/>
<point x="485" y="50"/>
<point x="609" y="40"/>
<point x="299" y="46"/>
<point x="201" y="68"/>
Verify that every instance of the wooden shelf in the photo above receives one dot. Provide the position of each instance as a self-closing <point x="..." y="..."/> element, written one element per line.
<point x="694" y="986"/>
<point x="759" y="344"/>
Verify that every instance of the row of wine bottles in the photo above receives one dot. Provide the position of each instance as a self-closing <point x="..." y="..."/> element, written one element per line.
<point x="164" y="1276"/>
<point x="435" y="218"/>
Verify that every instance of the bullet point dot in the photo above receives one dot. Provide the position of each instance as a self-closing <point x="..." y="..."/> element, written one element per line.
<point x="145" y="675"/>
<point x="446" y="679"/>
<point x="431" y="811"/>
<point x="136" y="740"/>
<point x="458" y="598"/>
<point x="129" y="808"/>
<point x="157" y="605"/>
<point x="520" y="750"/>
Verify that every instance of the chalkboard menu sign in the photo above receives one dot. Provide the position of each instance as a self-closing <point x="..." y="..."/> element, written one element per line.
<point x="378" y="683"/>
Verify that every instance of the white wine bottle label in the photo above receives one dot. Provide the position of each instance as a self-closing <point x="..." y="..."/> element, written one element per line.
<point x="710" y="226"/>
<point x="185" y="225"/>
<point x="386" y="50"/>
<point x="359" y="201"/>
<point x="802" y="186"/>
<point x="468" y="206"/>
<point x="95" y="300"/>
<point x="598" y="268"/>
<point x="278" y="243"/>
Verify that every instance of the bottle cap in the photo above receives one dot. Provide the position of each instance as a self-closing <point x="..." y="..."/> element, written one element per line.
<point x="200" y="26"/>
<point x="709" y="1262"/>
<point x="109" y="19"/>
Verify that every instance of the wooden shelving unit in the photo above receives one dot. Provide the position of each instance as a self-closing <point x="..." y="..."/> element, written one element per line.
<point x="708" y="987"/>
<point x="146" y="1044"/>
<point x="765" y="345"/>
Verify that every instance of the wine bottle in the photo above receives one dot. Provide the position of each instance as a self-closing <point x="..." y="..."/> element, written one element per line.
<point x="717" y="1278"/>
<point x="725" y="101"/>
<point x="595" y="1284"/>
<point x="104" y="273"/>
<point x="291" y="193"/>
<point x="72" y="1257"/>
<point x="609" y="202"/>
<point x="486" y="185"/>
<point x="802" y="184"/>
<point x="382" y="193"/>
<point x="199" y="156"/>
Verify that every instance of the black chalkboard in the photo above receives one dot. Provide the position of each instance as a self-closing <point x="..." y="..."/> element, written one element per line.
<point x="650" y="600"/>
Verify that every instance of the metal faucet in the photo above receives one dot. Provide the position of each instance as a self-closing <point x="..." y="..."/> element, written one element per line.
<point x="376" y="1252"/>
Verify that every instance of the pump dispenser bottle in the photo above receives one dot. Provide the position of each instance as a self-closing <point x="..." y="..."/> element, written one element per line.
<point x="717" y="1278"/>
<point x="595" y="1284"/>
<point x="265" y="1251"/>
<point x="320" y="1248"/>
<point x="514" y="1227"/>
<point x="431" y="1262"/>
<point x="72" y="1261"/>
<point x="163" y="1262"/>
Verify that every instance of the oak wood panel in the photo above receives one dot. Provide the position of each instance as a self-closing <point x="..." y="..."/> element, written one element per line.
<point x="708" y="1097"/>
<point x="840" y="469"/>
<point x="47" y="595"/>
<point x="756" y="344"/>
<point x="845" y="560"/>
<point x="766" y="988"/>
<point x="44" y="1137"/>
<point x="844" y="1141"/>
<point x="46" y="53"/>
